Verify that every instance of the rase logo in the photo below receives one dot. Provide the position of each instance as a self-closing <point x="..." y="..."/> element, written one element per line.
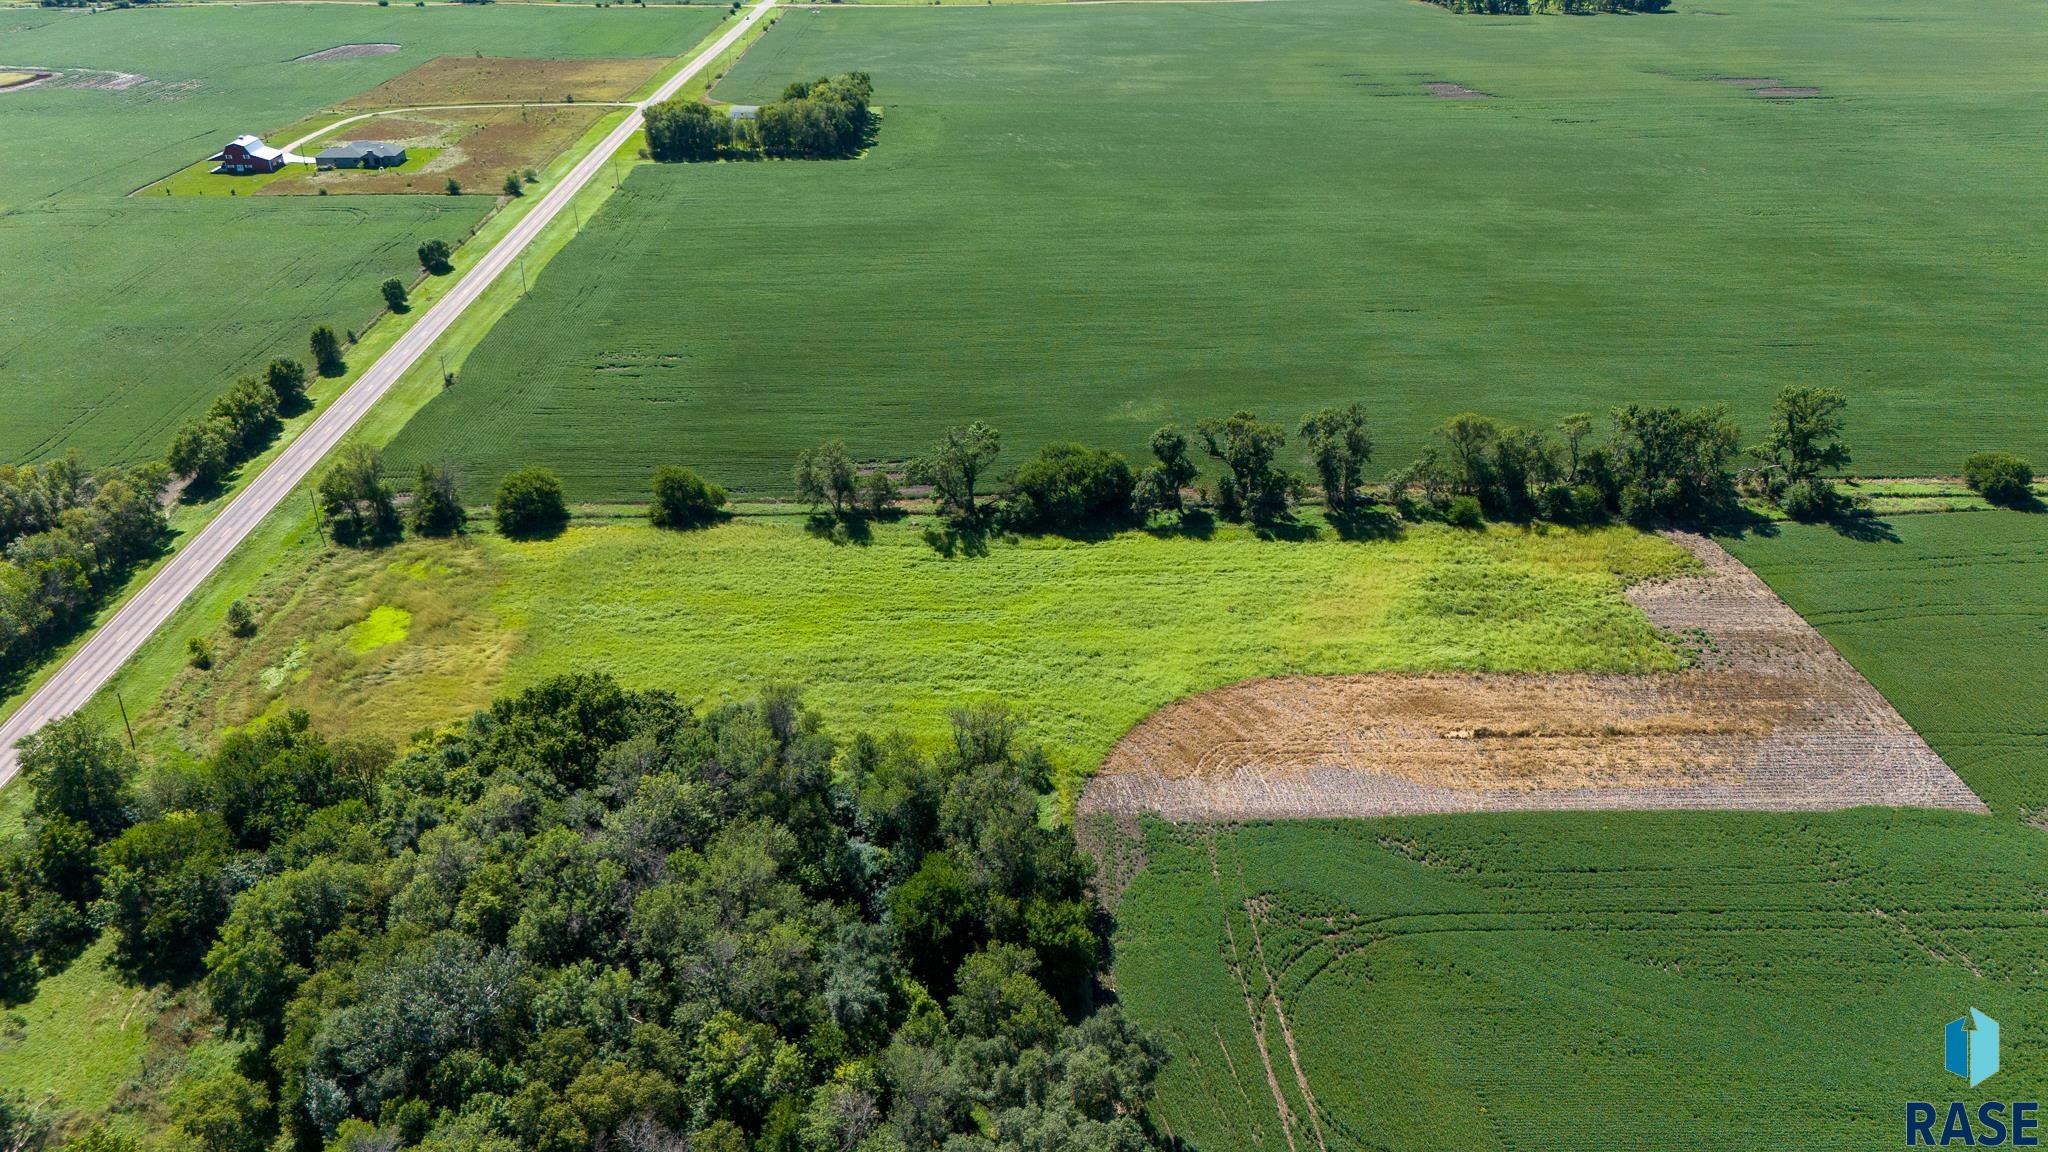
<point x="1970" y="1050"/>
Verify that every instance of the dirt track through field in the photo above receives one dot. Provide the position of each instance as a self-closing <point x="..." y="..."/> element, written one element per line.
<point x="1769" y="718"/>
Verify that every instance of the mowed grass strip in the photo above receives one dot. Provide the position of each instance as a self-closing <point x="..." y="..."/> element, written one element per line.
<point x="1625" y="981"/>
<point x="1081" y="639"/>
<point x="1949" y="621"/>
<point x="1083" y="221"/>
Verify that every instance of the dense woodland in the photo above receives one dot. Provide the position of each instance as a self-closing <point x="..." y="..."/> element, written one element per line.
<point x="823" y="119"/>
<point x="68" y="535"/>
<point x="593" y="918"/>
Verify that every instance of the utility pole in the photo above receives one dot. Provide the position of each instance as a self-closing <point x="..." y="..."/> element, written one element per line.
<point x="124" y="719"/>
<point x="523" y="289"/>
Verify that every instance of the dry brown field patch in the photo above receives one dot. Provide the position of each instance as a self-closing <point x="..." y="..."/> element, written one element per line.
<point x="503" y="79"/>
<point x="1769" y="718"/>
<point x="478" y="148"/>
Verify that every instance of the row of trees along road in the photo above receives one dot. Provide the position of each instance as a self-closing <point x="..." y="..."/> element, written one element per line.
<point x="594" y="918"/>
<point x="244" y="420"/>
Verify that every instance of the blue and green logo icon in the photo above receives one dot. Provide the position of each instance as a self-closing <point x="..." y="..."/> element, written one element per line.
<point x="1972" y="1048"/>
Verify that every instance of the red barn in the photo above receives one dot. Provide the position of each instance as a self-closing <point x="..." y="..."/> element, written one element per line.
<point x="247" y="155"/>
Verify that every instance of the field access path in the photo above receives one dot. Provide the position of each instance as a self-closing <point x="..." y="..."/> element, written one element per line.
<point x="89" y="668"/>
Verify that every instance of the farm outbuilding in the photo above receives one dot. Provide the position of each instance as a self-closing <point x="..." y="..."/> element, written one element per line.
<point x="249" y="155"/>
<point x="361" y="154"/>
<point x="743" y="111"/>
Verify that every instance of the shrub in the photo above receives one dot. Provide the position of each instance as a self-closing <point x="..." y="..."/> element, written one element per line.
<point x="199" y="653"/>
<point x="512" y="185"/>
<point x="878" y="493"/>
<point x="1464" y="513"/>
<point x="683" y="499"/>
<point x="1813" y="501"/>
<point x="241" y="621"/>
<point x="454" y="186"/>
<point x="1999" y="477"/>
<point x="530" y="505"/>
<point x="1068" y="487"/>
<point x="1573" y="504"/>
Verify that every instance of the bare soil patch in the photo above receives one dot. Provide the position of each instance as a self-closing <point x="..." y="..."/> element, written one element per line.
<point x="498" y="79"/>
<point x="12" y="79"/>
<point x="1770" y="718"/>
<point x="1444" y="89"/>
<point x="1777" y="92"/>
<point x="347" y="52"/>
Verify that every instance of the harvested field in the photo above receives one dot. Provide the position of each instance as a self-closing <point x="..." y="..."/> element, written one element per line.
<point x="1449" y="91"/>
<point x="465" y="79"/>
<point x="347" y="52"/>
<point x="1770" y="718"/>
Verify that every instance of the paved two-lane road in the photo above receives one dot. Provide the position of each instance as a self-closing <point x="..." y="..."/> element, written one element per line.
<point x="88" y="669"/>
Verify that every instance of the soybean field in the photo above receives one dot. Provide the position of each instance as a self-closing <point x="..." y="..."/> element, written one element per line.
<point x="1083" y="221"/>
<point x="1635" y="981"/>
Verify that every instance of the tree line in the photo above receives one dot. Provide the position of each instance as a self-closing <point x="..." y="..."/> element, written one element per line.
<point x="1655" y="465"/>
<point x="594" y="918"/>
<point x="823" y="119"/>
<point x="1551" y="7"/>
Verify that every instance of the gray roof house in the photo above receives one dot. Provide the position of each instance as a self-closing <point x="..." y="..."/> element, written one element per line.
<point x="361" y="154"/>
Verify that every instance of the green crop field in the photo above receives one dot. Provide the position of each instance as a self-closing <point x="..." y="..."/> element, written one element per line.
<point x="1083" y="221"/>
<point x="1082" y="639"/>
<point x="1640" y="980"/>
<point x="126" y="315"/>
<point x="1614" y="981"/>
<point x="1950" y="622"/>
